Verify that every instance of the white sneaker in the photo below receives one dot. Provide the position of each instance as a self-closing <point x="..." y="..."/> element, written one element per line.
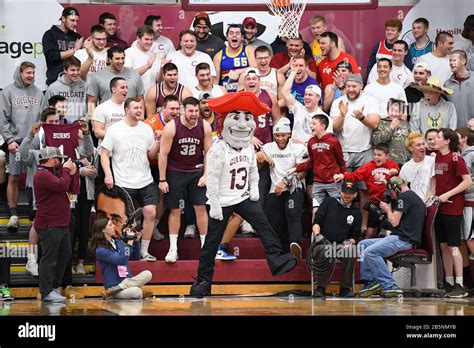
<point x="157" y="234"/>
<point x="13" y="222"/>
<point x="172" y="256"/>
<point x="471" y="257"/>
<point x="148" y="257"/>
<point x="190" y="231"/>
<point x="245" y="227"/>
<point x="80" y="269"/>
<point x="32" y="268"/>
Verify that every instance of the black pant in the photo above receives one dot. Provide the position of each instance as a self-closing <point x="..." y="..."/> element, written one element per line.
<point x="67" y="278"/>
<point x="84" y="207"/>
<point x="264" y="183"/>
<point x="347" y="273"/>
<point x="56" y="247"/>
<point x="5" y="270"/>
<point x="284" y="212"/>
<point x="251" y="212"/>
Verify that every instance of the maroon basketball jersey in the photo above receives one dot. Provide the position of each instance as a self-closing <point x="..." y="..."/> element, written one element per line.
<point x="187" y="150"/>
<point x="160" y="96"/>
<point x="263" y="132"/>
<point x="65" y="136"/>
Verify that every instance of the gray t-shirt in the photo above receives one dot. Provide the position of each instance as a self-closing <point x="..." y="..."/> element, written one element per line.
<point x="99" y="85"/>
<point x="211" y="45"/>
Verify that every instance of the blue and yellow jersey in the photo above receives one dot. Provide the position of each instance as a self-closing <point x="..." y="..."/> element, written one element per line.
<point x="228" y="63"/>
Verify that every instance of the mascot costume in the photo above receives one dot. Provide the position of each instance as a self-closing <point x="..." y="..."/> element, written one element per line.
<point x="232" y="186"/>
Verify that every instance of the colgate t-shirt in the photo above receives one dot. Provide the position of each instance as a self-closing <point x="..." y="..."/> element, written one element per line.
<point x="449" y="170"/>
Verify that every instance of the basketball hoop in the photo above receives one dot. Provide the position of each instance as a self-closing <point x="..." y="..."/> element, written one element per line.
<point x="289" y="13"/>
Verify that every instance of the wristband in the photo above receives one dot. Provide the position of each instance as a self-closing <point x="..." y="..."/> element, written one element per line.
<point x="362" y="118"/>
<point x="163" y="180"/>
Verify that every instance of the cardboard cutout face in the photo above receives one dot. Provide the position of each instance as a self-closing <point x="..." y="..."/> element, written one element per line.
<point x="238" y="128"/>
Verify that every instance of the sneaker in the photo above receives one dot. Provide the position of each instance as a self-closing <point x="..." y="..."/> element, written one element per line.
<point x="246" y="228"/>
<point x="320" y="292"/>
<point x="148" y="257"/>
<point x="447" y="288"/>
<point x="32" y="268"/>
<point x="471" y="257"/>
<point x="157" y="234"/>
<point x="224" y="256"/>
<point x="190" y="231"/>
<point x="369" y="289"/>
<point x="346" y="293"/>
<point x="146" y="294"/>
<point x="172" y="256"/>
<point x="200" y="288"/>
<point x="458" y="291"/>
<point x="13" y="222"/>
<point x="53" y="296"/>
<point x="296" y="250"/>
<point x="393" y="291"/>
<point x="5" y="294"/>
<point x="80" y="270"/>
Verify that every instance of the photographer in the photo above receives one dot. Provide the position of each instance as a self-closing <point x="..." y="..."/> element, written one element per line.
<point x="113" y="255"/>
<point x="339" y="222"/>
<point x="51" y="185"/>
<point x="405" y="218"/>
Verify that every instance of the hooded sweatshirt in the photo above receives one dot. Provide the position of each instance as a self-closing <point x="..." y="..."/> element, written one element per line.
<point x="325" y="157"/>
<point x="462" y="97"/>
<point x="468" y="156"/>
<point x="20" y="107"/>
<point x="425" y="116"/>
<point x="75" y="93"/>
<point x="54" y="42"/>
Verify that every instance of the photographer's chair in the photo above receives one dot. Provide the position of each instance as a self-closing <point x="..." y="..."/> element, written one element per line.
<point x="421" y="256"/>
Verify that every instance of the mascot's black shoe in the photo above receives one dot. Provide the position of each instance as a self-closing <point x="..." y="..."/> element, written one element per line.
<point x="288" y="262"/>
<point x="200" y="288"/>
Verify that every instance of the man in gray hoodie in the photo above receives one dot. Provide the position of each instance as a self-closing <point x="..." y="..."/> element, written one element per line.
<point x="20" y="106"/>
<point x="73" y="88"/>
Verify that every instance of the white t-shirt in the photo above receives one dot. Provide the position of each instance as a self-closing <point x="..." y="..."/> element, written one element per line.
<point x="399" y="74"/>
<point x="129" y="149"/>
<point x="461" y="43"/>
<point x="215" y="92"/>
<point x="439" y="66"/>
<point x="384" y="92"/>
<point x="355" y="136"/>
<point x="99" y="62"/>
<point x="136" y="58"/>
<point x="161" y="46"/>
<point x="108" y="113"/>
<point x="284" y="160"/>
<point x="302" y="122"/>
<point x="187" y="66"/>
<point x="418" y="175"/>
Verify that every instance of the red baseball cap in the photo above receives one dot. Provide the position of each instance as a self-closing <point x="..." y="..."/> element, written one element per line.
<point x="249" y="21"/>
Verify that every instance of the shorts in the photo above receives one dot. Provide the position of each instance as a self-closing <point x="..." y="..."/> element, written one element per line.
<point x="323" y="190"/>
<point x="467" y="224"/>
<point x="448" y="229"/>
<point x="147" y="195"/>
<point x="355" y="160"/>
<point x="309" y="177"/>
<point x="14" y="166"/>
<point x="184" y="185"/>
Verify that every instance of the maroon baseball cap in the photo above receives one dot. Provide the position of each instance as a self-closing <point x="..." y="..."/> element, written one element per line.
<point x="249" y="21"/>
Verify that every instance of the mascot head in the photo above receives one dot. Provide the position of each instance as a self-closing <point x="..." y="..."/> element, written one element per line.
<point x="237" y="113"/>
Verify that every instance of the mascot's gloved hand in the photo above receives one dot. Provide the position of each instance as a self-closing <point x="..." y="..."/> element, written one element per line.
<point x="254" y="195"/>
<point x="216" y="212"/>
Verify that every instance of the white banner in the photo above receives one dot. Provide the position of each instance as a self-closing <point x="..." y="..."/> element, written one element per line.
<point x="22" y="25"/>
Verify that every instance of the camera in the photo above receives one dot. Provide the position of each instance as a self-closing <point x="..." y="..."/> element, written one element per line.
<point x="77" y="162"/>
<point x="131" y="225"/>
<point x="375" y="210"/>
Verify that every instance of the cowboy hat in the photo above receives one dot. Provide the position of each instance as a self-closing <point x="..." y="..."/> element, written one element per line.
<point x="433" y="84"/>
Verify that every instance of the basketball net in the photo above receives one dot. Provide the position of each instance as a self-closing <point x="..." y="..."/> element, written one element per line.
<point x="289" y="13"/>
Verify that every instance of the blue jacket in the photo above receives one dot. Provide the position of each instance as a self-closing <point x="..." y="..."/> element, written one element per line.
<point x="110" y="258"/>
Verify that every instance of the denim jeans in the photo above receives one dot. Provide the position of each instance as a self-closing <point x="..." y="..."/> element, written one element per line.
<point x="372" y="266"/>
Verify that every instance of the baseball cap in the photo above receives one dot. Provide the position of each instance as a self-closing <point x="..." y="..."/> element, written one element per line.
<point x="249" y="21"/>
<point x="313" y="89"/>
<point x="282" y="126"/>
<point x="69" y="11"/>
<point x="344" y="64"/>
<point x="251" y="71"/>
<point x="349" y="186"/>
<point x="202" y="19"/>
<point x="204" y="95"/>
<point x="48" y="152"/>
<point x="355" y="78"/>
<point x="422" y="65"/>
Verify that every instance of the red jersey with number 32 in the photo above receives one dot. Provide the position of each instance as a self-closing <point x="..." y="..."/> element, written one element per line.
<point x="187" y="151"/>
<point x="449" y="170"/>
